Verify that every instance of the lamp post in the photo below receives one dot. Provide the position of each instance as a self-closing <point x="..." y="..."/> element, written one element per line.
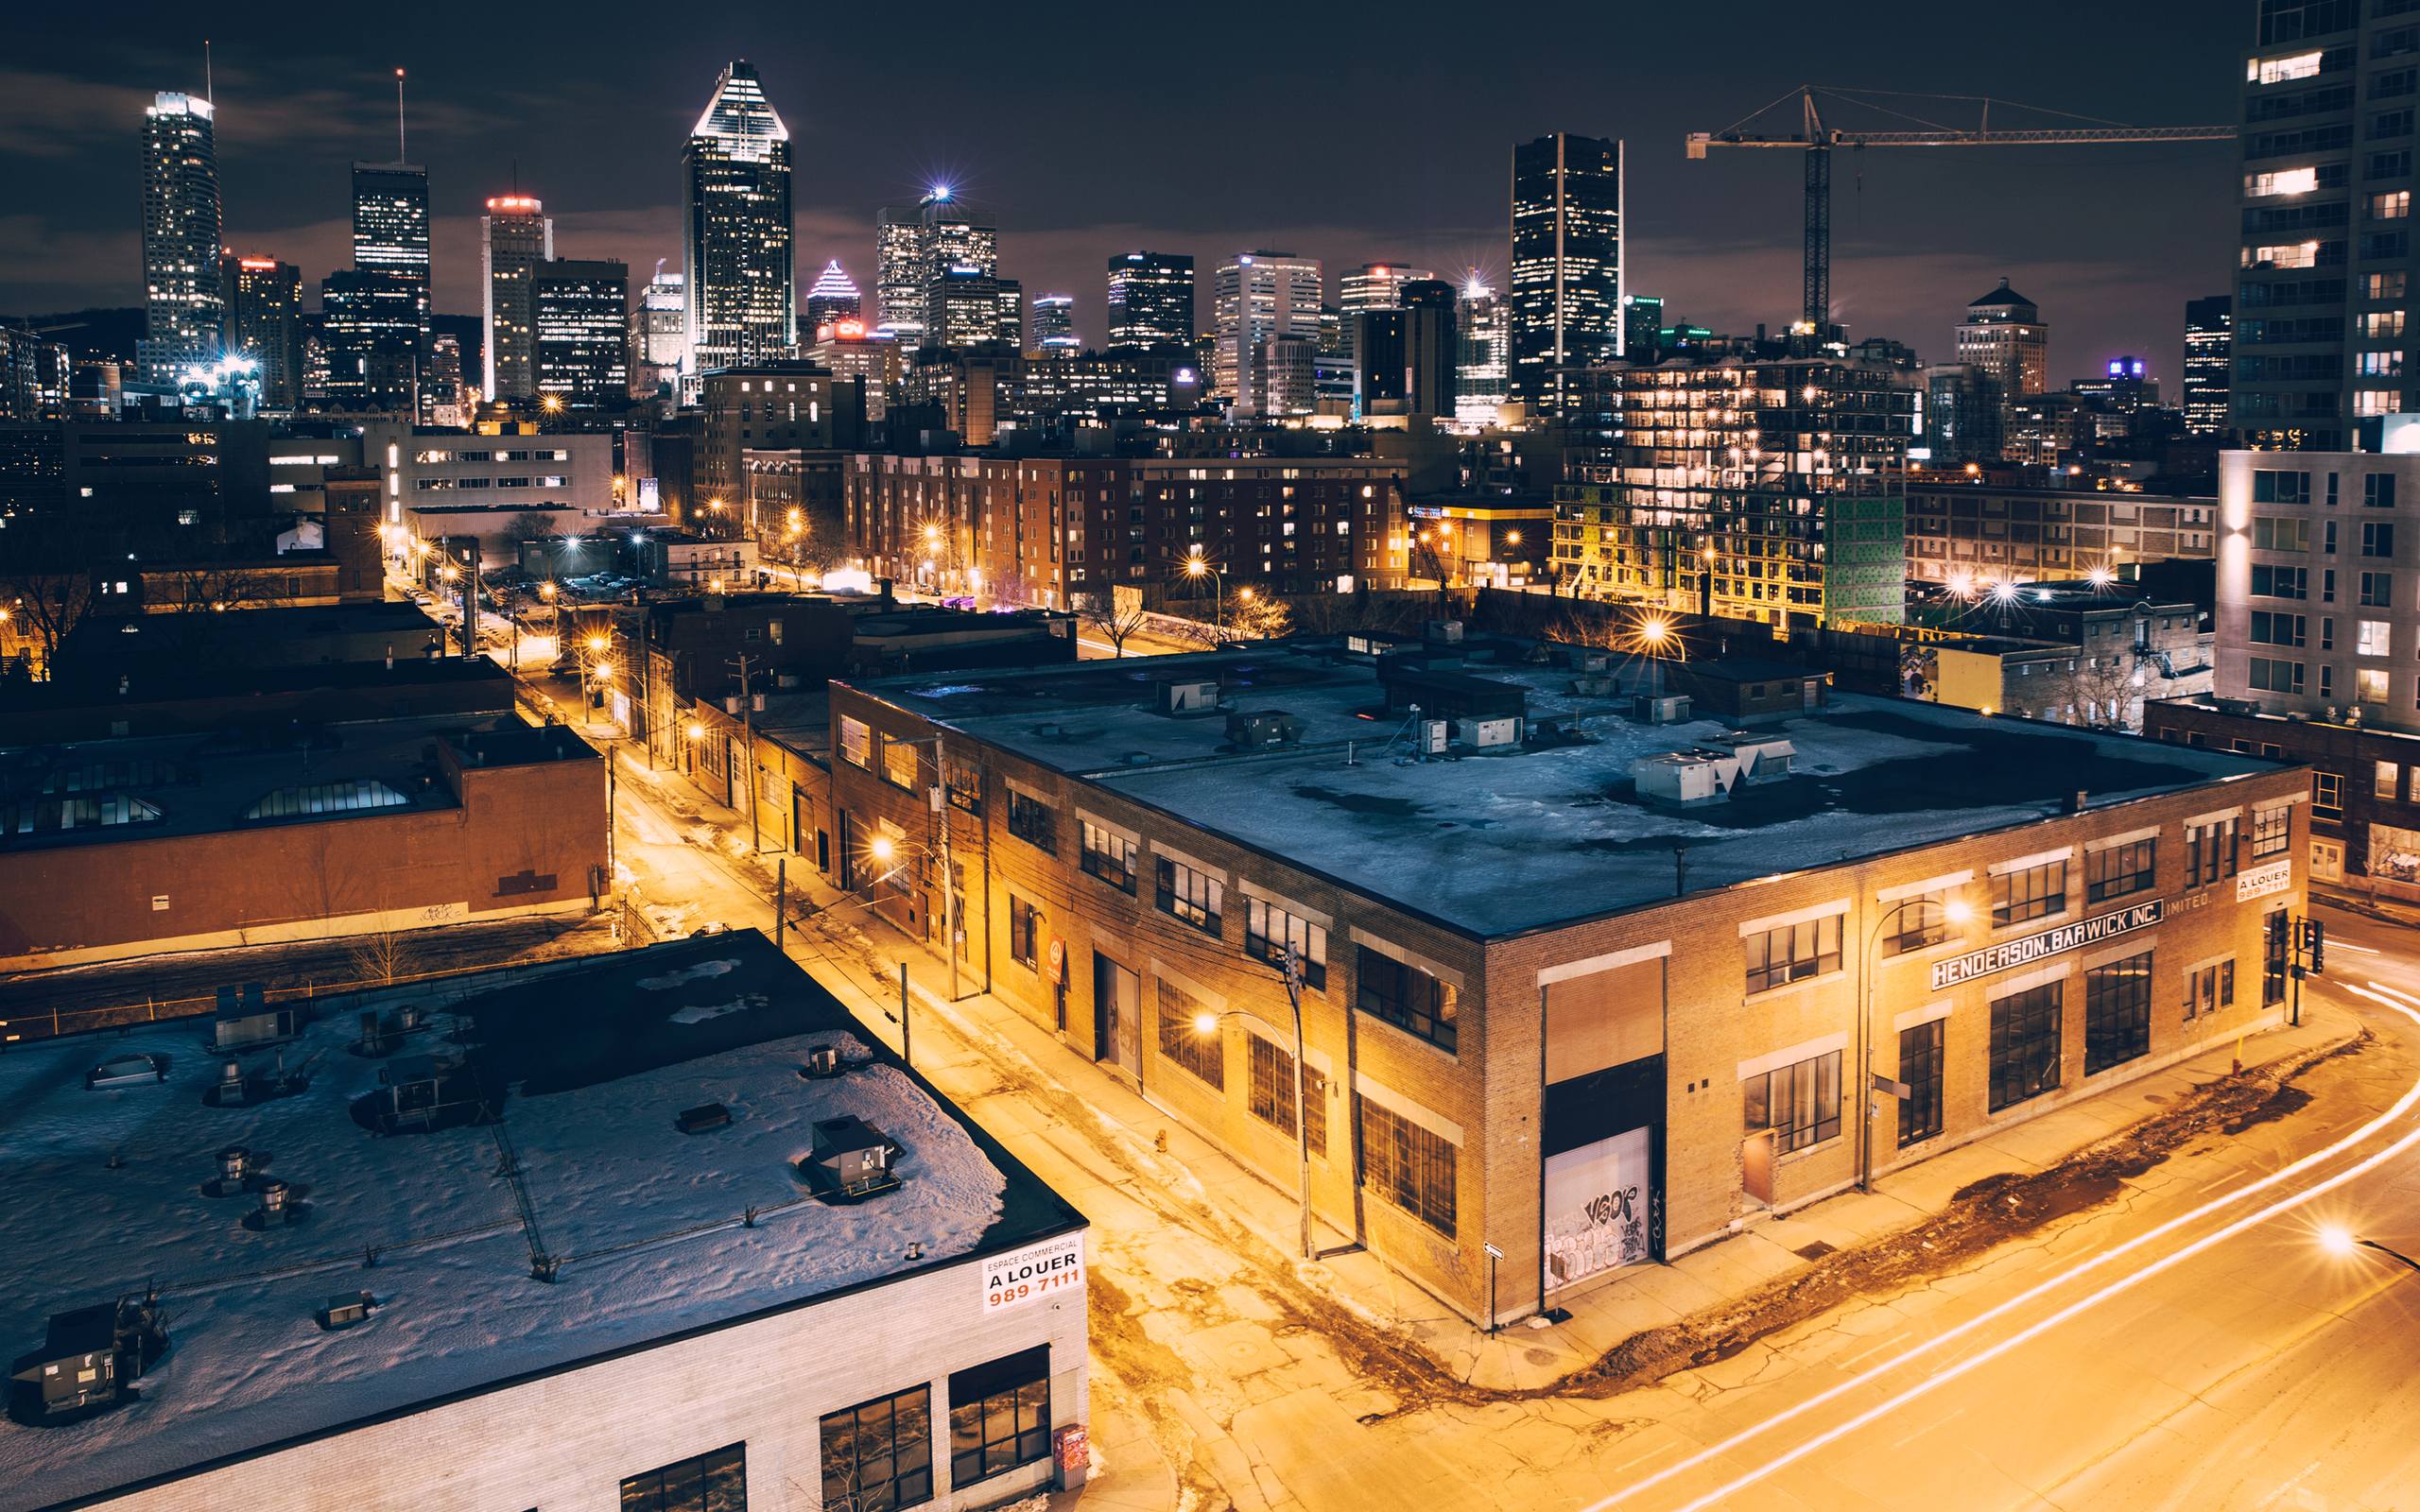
<point x="1953" y="911"/>
<point x="882" y="847"/>
<point x="2344" y="1242"/>
<point x="1196" y="568"/>
<point x="1207" y="1024"/>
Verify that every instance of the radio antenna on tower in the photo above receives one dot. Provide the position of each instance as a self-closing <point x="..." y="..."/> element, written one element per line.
<point x="208" y="90"/>
<point x="401" y="155"/>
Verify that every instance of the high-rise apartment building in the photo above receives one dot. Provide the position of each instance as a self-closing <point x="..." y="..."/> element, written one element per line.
<point x="927" y="255"/>
<point x="580" y="310"/>
<point x="515" y="237"/>
<point x="1770" y="491"/>
<point x="1567" y="283"/>
<point x="2209" y="356"/>
<point x="33" y="384"/>
<point x="741" y="286"/>
<point x="2324" y="288"/>
<point x="183" y="305"/>
<point x="899" y="274"/>
<point x="1377" y="286"/>
<point x="2004" y="339"/>
<point x="831" y="298"/>
<point x="1962" y="415"/>
<point x="659" y="335"/>
<point x="1054" y="323"/>
<point x="263" y="311"/>
<point x="390" y="230"/>
<point x="1485" y="343"/>
<point x="1259" y="294"/>
<point x="1151" y="300"/>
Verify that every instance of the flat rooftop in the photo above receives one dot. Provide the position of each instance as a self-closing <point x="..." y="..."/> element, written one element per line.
<point x="587" y="1064"/>
<point x="241" y="776"/>
<point x="1502" y="843"/>
<point x="169" y="680"/>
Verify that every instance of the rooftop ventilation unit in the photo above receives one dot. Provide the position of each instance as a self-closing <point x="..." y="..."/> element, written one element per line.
<point x="237" y="1171"/>
<point x="280" y="1206"/>
<point x="1684" y="778"/>
<point x="127" y="1071"/>
<point x="245" y="1021"/>
<point x="88" y="1361"/>
<point x="1190" y="696"/>
<point x="821" y="1061"/>
<point x="1495" y="734"/>
<point x="699" y="1119"/>
<point x="852" y="1159"/>
<point x="383" y="1033"/>
<point x="1669" y="709"/>
<point x="1442" y="632"/>
<point x="417" y="1093"/>
<point x="345" y="1311"/>
<point x="1761" y="758"/>
<point x="1264" y="727"/>
<point x="1432" y="737"/>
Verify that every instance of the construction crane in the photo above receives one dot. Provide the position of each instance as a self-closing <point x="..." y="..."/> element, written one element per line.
<point x="1817" y="140"/>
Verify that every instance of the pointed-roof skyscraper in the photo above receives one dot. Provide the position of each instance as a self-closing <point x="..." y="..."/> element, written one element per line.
<point x="183" y="306"/>
<point x="741" y="283"/>
<point x="833" y="297"/>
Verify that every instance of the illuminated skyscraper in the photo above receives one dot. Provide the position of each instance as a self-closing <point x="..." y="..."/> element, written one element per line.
<point x="1566" y="290"/>
<point x="834" y="297"/>
<point x="371" y="335"/>
<point x="2209" y="346"/>
<point x="660" y="336"/>
<point x="1054" y="323"/>
<point x="580" y="310"/>
<point x="263" y="307"/>
<point x="899" y="274"/>
<point x="2004" y="339"/>
<point x="1377" y="286"/>
<point x="1151" y="300"/>
<point x="183" y="305"/>
<point x="390" y="228"/>
<point x="515" y="236"/>
<point x="741" y="286"/>
<point x="1485" y="343"/>
<point x="1260" y="294"/>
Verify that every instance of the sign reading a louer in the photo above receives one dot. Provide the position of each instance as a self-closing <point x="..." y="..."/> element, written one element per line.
<point x="2260" y="881"/>
<point x="2009" y="954"/>
<point x="1030" y="1274"/>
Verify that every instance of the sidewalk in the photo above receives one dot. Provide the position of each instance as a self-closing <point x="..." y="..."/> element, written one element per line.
<point x="987" y="1036"/>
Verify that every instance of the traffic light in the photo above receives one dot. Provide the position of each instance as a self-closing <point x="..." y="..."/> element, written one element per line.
<point x="2315" y="940"/>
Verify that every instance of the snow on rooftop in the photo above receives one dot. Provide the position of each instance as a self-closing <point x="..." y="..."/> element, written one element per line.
<point x="1498" y="843"/>
<point x="648" y="1221"/>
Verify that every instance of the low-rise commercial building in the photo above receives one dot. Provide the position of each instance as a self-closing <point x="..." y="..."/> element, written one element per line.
<point x="293" y="831"/>
<point x="1986" y="530"/>
<point x="734" y="1254"/>
<point x="1597" y="991"/>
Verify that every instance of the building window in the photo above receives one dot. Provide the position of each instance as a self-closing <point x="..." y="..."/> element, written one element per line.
<point x="1108" y="856"/>
<point x="2210" y="989"/>
<point x="1025" y="932"/>
<point x="2117" y="1012"/>
<point x="1030" y="820"/>
<point x="2269" y="675"/>
<point x="1183" y="1040"/>
<point x="1407" y="997"/>
<point x="1920" y="1063"/>
<point x="1269" y="929"/>
<point x="2209" y="853"/>
<point x="999" y="1416"/>
<point x="964" y="780"/>
<point x="2271" y="830"/>
<point x="2280" y="583"/>
<point x="2025" y="1045"/>
<point x="2387" y="781"/>
<point x="1920" y="922"/>
<point x="2112" y="871"/>
<point x="2274" y="485"/>
<point x="2327" y="796"/>
<point x="856" y="741"/>
<point x="2371" y="637"/>
<point x="879" y="1454"/>
<point x="710" y="1483"/>
<point x="2378" y="592"/>
<point x="899" y="763"/>
<point x="1793" y="952"/>
<point x="2377" y="537"/>
<point x="1190" y="895"/>
<point x="1407" y="1166"/>
<point x="1799" y="1103"/>
<point x="2029" y="892"/>
<point x="2267" y="628"/>
<point x="1271" y="1093"/>
<point x="2378" y="488"/>
<point x="323" y="798"/>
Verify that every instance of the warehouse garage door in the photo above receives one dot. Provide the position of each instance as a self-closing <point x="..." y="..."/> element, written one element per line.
<point x="1603" y="1123"/>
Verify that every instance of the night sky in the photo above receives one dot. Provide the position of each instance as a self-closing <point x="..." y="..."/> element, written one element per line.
<point x="1348" y="133"/>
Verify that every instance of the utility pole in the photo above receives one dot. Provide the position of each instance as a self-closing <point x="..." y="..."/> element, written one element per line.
<point x="949" y="867"/>
<point x="747" y="726"/>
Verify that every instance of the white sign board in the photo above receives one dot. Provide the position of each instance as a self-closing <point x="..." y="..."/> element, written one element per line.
<point x="1596" y="1201"/>
<point x="1030" y="1274"/>
<point x="2010" y="955"/>
<point x="2259" y="882"/>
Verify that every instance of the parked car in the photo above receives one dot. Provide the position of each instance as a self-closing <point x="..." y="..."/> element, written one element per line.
<point x="127" y="1071"/>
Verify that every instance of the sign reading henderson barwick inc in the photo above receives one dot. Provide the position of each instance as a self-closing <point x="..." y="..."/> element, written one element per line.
<point x="1030" y="1274"/>
<point x="2008" y="954"/>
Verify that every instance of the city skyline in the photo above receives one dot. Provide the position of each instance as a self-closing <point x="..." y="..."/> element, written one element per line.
<point x="1717" y="240"/>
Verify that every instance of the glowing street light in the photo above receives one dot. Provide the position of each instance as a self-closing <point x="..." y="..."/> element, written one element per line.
<point x="2343" y="1244"/>
<point x="596" y="643"/>
<point x="882" y="849"/>
<point x="2100" y="576"/>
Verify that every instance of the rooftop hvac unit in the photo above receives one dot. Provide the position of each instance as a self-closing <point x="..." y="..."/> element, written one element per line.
<point x="699" y="1119"/>
<point x="245" y="1020"/>
<point x="1264" y="727"/>
<point x="421" y="1093"/>
<point x="279" y="1206"/>
<point x="1186" y="697"/>
<point x="1595" y="685"/>
<point x="1432" y="737"/>
<point x="852" y="1158"/>
<point x="1495" y="734"/>
<point x="345" y="1311"/>
<point x="1761" y="758"/>
<point x="822" y="1060"/>
<point x="1684" y="777"/>
<point x="1584" y="659"/>
<point x="1671" y="709"/>
<point x="91" y="1357"/>
<point x="1442" y="632"/>
<point x="232" y="1090"/>
<point x="236" y="1169"/>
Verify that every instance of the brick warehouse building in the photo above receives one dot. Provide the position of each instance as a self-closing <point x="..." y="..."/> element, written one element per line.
<point x="1543" y="1012"/>
<point x="1048" y="530"/>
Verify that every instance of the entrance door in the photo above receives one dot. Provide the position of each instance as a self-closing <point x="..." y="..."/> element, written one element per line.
<point x="1757" y="1166"/>
<point x="1117" y="1015"/>
<point x="2326" y="859"/>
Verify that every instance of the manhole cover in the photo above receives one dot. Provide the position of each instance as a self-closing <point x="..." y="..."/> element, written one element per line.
<point x="1814" y="1251"/>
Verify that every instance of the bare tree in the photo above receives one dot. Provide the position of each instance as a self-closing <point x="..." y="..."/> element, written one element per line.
<point x="530" y="525"/>
<point x="1117" y="622"/>
<point x="381" y="958"/>
<point x="2097" y="690"/>
<point x="41" y="609"/>
<point x="207" y="587"/>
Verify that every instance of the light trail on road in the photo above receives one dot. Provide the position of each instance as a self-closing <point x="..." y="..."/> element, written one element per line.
<point x="2386" y="997"/>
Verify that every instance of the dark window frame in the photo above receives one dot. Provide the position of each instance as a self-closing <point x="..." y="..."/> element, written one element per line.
<point x="2027" y="1050"/>
<point x="724" y="1464"/>
<point x="1181" y="1043"/>
<point x="1188" y="894"/>
<point x="981" y="1445"/>
<point x="1407" y="1167"/>
<point x="1921" y="1061"/>
<point x="1108" y="856"/>
<point x="2029" y="893"/>
<point x="1811" y="1113"/>
<point x="1792" y="953"/>
<point x="1396" y="992"/>
<point x="1034" y="822"/>
<point x="1310" y="940"/>
<point x="1269" y="1091"/>
<point x="2117" y="1012"/>
<point x="2118" y="871"/>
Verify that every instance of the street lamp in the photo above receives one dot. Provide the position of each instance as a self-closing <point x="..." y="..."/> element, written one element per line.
<point x="1196" y="568"/>
<point x="2342" y="1242"/>
<point x="1207" y="1024"/>
<point x="1953" y="911"/>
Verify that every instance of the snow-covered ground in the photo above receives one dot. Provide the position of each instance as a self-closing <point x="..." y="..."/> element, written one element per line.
<point x="652" y="1222"/>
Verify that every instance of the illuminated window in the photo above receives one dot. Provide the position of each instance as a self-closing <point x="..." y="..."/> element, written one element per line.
<point x="2283" y="182"/>
<point x="326" y="798"/>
